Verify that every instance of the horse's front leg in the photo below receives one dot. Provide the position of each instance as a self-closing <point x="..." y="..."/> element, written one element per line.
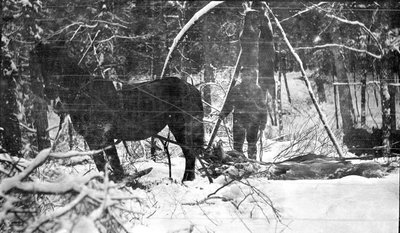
<point x="190" y="164"/>
<point x="112" y="156"/>
<point x="96" y="139"/>
<point x="182" y="136"/>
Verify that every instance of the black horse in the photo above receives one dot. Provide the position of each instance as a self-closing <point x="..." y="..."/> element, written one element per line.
<point x="100" y="113"/>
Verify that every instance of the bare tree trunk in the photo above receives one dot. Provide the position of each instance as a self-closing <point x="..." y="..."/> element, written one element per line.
<point x="319" y="82"/>
<point x="39" y="108"/>
<point x="344" y="92"/>
<point x="393" y="90"/>
<point x="335" y="96"/>
<point x="363" y="95"/>
<point x="208" y="68"/>
<point x="266" y="60"/>
<point x="279" y="102"/>
<point x="41" y="123"/>
<point x="356" y="98"/>
<point x="284" y="69"/>
<point x="385" y="99"/>
<point x="10" y="134"/>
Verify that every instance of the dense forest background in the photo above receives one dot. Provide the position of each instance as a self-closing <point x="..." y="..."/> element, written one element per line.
<point x="125" y="40"/>
<point x="348" y="50"/>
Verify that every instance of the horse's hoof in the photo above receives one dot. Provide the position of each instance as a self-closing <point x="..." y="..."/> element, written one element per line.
<point x="116" y="177"/>
<point x="188" y="177"/>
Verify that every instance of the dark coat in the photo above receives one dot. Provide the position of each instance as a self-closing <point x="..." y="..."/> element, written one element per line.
<point x="247" y="102"/>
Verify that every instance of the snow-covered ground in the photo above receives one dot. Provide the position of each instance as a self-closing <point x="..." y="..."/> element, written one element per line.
<point x="351" y="204"/>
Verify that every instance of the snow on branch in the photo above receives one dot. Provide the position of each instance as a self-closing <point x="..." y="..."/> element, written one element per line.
<point x="69" y="183"/>
<point x="9" y="183"/>
<point x="340" y="46"/>
<point x="74" y="153"/>
<point x="303" y="11"/>
<point x="356" y="23"/>
<point x="185" y="28"/>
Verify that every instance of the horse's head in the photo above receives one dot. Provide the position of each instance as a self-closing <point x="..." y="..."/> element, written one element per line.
<point x="47" y="61"/>
<point x="62" y="77"/>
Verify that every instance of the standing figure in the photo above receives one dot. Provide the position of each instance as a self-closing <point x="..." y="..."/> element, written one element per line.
<point x="247" y="101"/>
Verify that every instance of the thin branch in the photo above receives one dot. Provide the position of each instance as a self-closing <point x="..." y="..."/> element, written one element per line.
<point x="110" y="23"/>
<point x="27" y="128"/>
<point x="244" y="224"/>
<point x="303" y="11"/>
<point x="118" y="220"/>
<point x="5" y="157"/>
<point x="340" y="46"/>
<point x="81" y="24"/>
<point x="76" y="31"/>
<point x="204" y="213"/>
<point x="143" y="37"/>
<point x="73" y="153"/>
<point x="96" y="214"/>
<point x="88" y="48"/>
<point x="356" y="23"/>
<point x="57" y="213"/>
<point x="34" y="130"/>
